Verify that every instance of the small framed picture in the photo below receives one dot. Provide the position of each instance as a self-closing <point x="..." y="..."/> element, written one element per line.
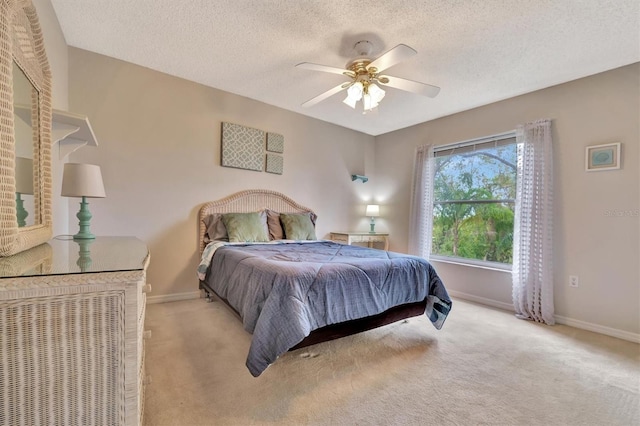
<point x="602" y="157"/>
<point x="275" y="142"/>
<point x="275" y="164"/>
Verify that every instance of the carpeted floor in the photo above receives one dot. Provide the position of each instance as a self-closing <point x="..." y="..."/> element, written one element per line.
<point x="484" y="367"/>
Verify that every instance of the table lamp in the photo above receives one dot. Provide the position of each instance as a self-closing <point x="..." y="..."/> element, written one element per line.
<point x="24" y="186"/>
<point x="373" y="211"/>
<point x="83" y="180"/>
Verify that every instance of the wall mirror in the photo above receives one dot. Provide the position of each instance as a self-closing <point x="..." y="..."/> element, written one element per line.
<point x="25" y="122"/>
<point x="25" y="130"/>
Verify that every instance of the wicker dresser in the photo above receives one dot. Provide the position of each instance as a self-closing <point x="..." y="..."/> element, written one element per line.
<point x="71" y="333"/>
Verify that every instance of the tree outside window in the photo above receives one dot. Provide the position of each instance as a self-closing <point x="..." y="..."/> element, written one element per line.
<point x="474" y="201"/>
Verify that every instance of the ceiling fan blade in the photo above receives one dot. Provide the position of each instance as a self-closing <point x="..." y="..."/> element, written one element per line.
<point x="321" y="97"/>
<point x="398" y="54"/>
<point x="325" y="68"/>
<point x="409" y="85"/>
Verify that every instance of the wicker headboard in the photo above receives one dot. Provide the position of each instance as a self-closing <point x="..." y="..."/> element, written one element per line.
<point x="251" y="200"/>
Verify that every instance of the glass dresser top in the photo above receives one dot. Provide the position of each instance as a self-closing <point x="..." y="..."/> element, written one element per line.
<point x="65" y="256"/>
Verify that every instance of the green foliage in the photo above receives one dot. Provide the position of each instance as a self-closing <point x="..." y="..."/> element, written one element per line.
<point x="480" y="230"/>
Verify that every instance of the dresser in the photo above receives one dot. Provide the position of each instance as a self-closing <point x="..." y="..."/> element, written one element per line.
<point x="72" y="333"/>
<point x="361" y="237"/>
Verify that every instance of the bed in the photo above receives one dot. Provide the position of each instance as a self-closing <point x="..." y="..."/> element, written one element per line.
<point x="295" y="292"/>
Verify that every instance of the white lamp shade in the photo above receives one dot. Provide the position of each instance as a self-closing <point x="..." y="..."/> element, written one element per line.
<point x="24" y="175"/>
<point x="373" y="210"/>
<point x="82" y="180"/>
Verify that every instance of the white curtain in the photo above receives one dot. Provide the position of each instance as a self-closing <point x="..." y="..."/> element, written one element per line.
<point x="421" y="207"/>
<point x="533" y="231"/>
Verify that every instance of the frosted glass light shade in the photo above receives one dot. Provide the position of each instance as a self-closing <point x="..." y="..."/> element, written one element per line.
<point x="24" y="175"/>
<point x="82" y="180"/>
<point x="376" y="93"/>
<point x="369" y="93"/>
<point x="350" y="101"/>
<point x="373" y="210"/>
<point x="355" y="91"/>
<point x="366" y="102"/>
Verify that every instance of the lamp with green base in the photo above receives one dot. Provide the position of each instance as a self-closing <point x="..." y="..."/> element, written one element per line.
<point x="83" y="180"/>
<point x="373" y="211"/>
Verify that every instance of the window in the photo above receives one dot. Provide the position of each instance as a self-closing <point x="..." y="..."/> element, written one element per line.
<point x="474" y="200"/>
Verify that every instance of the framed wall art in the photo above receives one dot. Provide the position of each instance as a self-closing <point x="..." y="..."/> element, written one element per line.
<point x="275" y="164"/>
<point x="242" y="147"/>
<point x="275" y="142"/>
<point x="602" y="157"/>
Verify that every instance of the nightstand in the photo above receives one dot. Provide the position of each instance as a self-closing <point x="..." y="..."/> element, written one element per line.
<point x="361" y="237"/>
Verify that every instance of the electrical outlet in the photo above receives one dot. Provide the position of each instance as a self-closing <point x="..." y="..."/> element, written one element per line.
<point x="573" y="281"/>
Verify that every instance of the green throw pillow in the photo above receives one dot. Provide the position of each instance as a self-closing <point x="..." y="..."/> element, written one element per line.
<point x="298" y="226"/>
<point x="245" y="227"/>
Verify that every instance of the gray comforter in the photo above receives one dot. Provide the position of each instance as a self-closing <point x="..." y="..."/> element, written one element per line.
<point x="284" y="291"/>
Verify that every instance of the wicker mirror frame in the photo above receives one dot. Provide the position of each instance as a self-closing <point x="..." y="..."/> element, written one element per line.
<point x="21" y="42"/>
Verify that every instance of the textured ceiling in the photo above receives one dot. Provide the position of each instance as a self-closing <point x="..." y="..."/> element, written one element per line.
<point x="477" y="51"/>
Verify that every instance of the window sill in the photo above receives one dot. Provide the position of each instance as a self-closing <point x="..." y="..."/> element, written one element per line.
<point x="492" y="266"/>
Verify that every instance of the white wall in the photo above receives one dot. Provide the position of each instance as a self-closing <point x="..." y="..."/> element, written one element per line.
<point x="602" y="250"/>
<point x="159" y="150"/>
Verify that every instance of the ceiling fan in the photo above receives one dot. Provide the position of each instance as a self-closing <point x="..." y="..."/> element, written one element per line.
<point x="365" y="75"/>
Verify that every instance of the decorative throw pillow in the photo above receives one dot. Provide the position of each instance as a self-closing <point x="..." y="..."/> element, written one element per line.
<point x="246" y="227"/>
<point x="273" y="223"/>
<point x="214" y="228"/>
<point x="298" y="226"/>
<point x="263" y="220"/>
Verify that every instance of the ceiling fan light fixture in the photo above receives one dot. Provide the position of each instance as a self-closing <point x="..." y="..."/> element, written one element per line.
<point x="365" y="77"/>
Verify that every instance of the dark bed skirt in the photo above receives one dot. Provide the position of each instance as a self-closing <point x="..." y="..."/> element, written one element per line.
<point x="347" y="328"/>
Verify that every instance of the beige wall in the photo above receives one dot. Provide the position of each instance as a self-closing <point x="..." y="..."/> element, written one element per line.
<point x="159" y="150"/>
<point x="602" y="250"/>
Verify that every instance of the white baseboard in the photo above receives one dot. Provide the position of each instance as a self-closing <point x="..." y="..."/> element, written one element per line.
<point x="613" y="332"/>
<point x="608" y="331"/>
<point x="173" y="297"/>
<point x="481" y="300"/>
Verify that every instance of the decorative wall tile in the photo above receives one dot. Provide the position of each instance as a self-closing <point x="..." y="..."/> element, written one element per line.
<point x="275" y="142"/>
<point x="275" y="164"/>
<point x="242" y="147"/>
